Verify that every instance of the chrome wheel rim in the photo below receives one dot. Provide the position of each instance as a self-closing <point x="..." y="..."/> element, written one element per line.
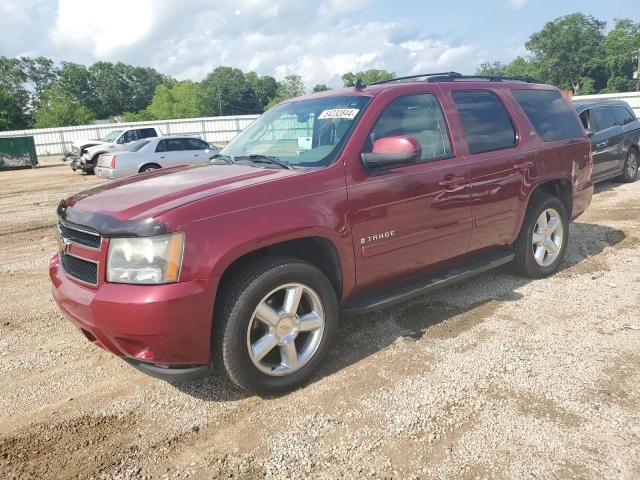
<point x="547" y="237"/>
<point x="286" y="329"/>
<point x="632" y="165"/>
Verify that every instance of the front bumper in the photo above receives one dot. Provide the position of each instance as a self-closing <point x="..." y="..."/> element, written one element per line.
<point x="163" y="330"/>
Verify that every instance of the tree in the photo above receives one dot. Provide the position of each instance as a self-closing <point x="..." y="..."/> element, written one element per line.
<point x="15" y="111"/>
<point x="292" y="86"/>
<point x="321" y="87"/>
<point x="263" y="88"/>
<point x="569" y="49"/>
<point x="620" y="46"/>
<point x="227" y="92"/>
<point x="368" y="77"/>
<point x="183" y="100"/>
<point x="57" y="109"/>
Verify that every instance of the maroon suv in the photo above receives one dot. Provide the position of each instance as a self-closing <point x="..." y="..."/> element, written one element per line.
<point x="341" y="201"/>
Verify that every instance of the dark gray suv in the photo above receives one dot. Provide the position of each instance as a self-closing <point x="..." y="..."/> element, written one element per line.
<point x="614" y="132"/>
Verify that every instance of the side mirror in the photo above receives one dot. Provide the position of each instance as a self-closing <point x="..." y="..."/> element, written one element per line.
<point x="589" y="132"/>
<point x="120" y="140"/>
<point x="392" y="151"/>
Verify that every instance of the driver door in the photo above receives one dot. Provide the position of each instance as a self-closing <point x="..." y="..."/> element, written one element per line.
<point x="412" y="217"/>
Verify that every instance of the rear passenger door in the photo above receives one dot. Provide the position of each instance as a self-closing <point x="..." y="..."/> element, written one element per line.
<point x="498" y="166"/>
<point x="169" y="152"/>
<point x="606" y="142"/>
<point x="196" y="151"/>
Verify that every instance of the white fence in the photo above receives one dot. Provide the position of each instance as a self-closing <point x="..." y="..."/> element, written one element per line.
<point x="632" y="98"/>
<point x="57" y="141"/>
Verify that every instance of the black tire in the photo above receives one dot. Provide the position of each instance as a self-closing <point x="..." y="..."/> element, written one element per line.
<point x="149" y="167"/>
<point x="233" y="318"/>
<point x="525" y="262"/>
<point x="630" y="169"/>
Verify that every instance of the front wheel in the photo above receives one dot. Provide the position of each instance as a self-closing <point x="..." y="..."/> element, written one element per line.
<point x="542" y="242"/>
<point x="630" y="169"/>
<point x="276" y="324"/>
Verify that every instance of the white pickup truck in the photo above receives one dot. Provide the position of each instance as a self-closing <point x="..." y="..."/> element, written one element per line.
<point x="85" y="153"/>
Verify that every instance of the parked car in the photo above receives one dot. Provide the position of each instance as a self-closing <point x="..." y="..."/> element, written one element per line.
<point x="154" y="153"/>
<point x="614" y="132"/>
<point x="340" y="201"/>
<point x="118" y="141"/>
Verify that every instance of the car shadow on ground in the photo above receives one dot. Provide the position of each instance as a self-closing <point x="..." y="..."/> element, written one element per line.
<point x="360" y="336"/>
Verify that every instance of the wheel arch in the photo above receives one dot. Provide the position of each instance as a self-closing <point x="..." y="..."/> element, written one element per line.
<point x="319" y="251"/>
<point x="146" y="164"/>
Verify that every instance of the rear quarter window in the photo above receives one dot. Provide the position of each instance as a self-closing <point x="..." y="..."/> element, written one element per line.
<point x="549" y="113"/>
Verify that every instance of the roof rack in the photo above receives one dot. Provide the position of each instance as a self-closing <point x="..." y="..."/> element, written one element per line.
<point x="409" y="77"/>
<point x="490" y="78"/>
<point x="452" y="77"/>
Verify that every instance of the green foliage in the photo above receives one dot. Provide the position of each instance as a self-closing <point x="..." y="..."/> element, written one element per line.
<point x="290" y="87"/>
<point x="183" y="100"/>
<point x="57" y="109"/>
<point x="15" y="102"/>
<point x="573" y="53"/>
<point x="321" y="87"/>
<point x="368" y="77"/>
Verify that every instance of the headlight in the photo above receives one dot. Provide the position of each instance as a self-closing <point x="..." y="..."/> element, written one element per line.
<point x="146" y="260"/>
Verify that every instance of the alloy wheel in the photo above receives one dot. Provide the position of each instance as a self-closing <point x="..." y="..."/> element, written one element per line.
<point x="632" y="165"/>
<point x="286" y="329"/>
<point x="547" y="237"/>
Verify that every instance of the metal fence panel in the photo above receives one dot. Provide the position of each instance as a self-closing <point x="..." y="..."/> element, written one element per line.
<point x="17" y="152"/>
<point x="57" y="141"/>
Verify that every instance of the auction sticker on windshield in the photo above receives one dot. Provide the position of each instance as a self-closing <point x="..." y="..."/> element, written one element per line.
<point x="349" y="113"/>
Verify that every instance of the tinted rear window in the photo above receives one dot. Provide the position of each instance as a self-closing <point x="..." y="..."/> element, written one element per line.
<point x="549" y="113"/>
<point x="623" y="115"/>
<point x="485" y="121"/>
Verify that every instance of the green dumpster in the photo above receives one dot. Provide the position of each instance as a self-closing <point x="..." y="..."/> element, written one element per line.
<point x="17" y="152"/>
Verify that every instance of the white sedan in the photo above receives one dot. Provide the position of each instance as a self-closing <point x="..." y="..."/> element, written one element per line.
<point x="153" y="153"/>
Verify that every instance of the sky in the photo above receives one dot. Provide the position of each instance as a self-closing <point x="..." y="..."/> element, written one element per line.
<point x="319" y="40"/>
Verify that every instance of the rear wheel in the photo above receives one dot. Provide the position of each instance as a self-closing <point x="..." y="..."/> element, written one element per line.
<point x="275" y="325"/>
<point x="630" y="169"/>
<point x="149" y="167"/>
<point x="542" y="242"/>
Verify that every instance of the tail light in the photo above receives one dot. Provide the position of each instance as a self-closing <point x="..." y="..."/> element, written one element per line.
<point x="589" y="167"/>
<point x="113" y="161"/>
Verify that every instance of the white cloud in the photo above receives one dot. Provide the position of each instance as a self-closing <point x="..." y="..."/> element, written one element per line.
<point x="189" y="38"/>
<point x="517" y="4"/>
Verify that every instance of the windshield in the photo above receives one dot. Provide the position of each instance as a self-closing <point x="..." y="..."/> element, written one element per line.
<point x="307" y="133"/>
<point x="111" y="136"/>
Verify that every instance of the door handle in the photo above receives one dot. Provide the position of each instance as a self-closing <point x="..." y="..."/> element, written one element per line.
<point x="523" y="167"/>
<point x="602" y="144"/>
<point x="452" y="183"/>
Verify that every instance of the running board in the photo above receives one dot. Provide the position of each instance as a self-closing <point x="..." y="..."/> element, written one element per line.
<point x="401" y="292"/>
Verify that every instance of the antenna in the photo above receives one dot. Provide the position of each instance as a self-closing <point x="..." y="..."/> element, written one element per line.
<point x="360" y="84"/>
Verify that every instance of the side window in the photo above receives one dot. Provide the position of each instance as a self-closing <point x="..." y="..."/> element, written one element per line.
<point x="623" y="116"/>
<point x="174" y="145"/>
<point x="604" y="117"/>
<point x="418" y="116"/>
<point x="130" y="136"/>
<point x="147" y="132"/>
<point x="486" y="124"/>
<point x="550" y="114"/>
<point x="585" y="118"/>
<point x="194" y="144"/>
<point x="162" y="146"/>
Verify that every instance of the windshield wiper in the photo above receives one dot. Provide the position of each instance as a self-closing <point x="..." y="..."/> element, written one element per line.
<point x="273" y="160"/>
<point x="226" y="158"/>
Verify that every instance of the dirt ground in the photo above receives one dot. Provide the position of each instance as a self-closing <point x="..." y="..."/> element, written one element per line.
<point x="499" y="377"/>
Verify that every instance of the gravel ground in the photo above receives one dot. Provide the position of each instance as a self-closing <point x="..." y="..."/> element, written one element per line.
<point x="498" y="377"/>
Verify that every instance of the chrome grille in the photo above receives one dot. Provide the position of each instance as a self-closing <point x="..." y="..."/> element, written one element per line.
<point x="84" y="270"/>
<point x="81" y="237"/>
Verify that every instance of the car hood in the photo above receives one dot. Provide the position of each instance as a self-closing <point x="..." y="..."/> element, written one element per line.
<point x="134" y="201"/>
<point x="102" y="147"/>
<point x="86" y="141"/>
